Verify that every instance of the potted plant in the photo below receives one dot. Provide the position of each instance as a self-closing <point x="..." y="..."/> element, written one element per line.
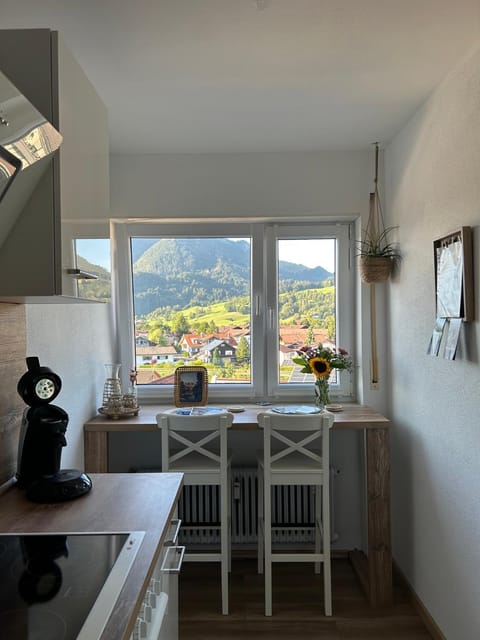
<point x="377" y="255"/>
<point x="375" y="250"/>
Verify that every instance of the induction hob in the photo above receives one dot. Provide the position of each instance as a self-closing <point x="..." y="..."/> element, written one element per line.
<point x="62" y="586"/>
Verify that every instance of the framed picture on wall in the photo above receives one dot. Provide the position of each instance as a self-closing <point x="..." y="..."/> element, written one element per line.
<point x="191" y="386"/>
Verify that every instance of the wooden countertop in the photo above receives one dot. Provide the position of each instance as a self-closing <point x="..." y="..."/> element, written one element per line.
<point x="353" y="416"/>
<point x="117" y="502"/>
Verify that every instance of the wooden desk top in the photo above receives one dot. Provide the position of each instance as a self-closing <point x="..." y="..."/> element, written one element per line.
<point x="353" y="416"/>
<point x="117" y="502"/>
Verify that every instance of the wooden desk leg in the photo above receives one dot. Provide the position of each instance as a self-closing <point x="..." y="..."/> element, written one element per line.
<point x="95" y="445"/>
<point x="375" y="571"/>
<point x="378" y="506"/>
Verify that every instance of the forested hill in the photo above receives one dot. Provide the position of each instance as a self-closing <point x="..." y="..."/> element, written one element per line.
<point x="179" y="273"/>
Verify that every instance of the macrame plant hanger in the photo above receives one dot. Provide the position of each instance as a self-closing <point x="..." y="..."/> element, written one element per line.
<point x="375" y="222"/>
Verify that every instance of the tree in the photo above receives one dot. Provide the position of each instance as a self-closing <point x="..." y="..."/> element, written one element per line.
<point x="243" y="350"/>
<point x="157" y="336"/>
<point x="212" y="327"/>
<point x="310" y="337"/>
<point x="180" y="324"/>
<point x="216" y="358"/>
<point x="330" y="322"/>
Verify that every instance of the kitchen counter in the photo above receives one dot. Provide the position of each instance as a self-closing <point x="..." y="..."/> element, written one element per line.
<point x="118" y="502"/>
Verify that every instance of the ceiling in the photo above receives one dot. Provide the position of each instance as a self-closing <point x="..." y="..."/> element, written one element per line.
<point x="229" y="76"/>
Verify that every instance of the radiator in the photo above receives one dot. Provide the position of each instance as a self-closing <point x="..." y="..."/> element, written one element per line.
<point x="292" y="511"/>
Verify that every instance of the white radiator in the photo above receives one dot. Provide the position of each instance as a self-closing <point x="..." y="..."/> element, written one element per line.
<point x="292" y="510"/>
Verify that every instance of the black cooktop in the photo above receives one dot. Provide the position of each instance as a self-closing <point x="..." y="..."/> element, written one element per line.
<point x="49" y="583"/>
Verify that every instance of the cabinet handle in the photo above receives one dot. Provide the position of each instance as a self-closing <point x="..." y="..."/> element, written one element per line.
<point x="176" y="524"/>
<point x="144" y="629"/>
<point x="78" y="274"/>
<point x="178" y="551"/>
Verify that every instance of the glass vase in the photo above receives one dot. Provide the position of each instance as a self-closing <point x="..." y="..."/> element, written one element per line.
<point x="322" y="397"/>
<point x="112" y="388"/>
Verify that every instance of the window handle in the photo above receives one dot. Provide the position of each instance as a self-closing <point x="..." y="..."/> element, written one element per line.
<point x="257" y="306"/>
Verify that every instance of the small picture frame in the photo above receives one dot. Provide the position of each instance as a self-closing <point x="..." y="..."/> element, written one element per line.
<point x="191" y="386"/>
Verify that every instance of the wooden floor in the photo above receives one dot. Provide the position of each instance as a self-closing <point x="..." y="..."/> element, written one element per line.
<point x="297" y="606"/>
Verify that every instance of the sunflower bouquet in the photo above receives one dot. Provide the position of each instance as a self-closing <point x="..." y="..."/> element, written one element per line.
<point x="320" y="361"/>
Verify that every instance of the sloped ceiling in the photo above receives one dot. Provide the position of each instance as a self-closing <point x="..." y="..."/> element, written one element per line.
<point x="190" y="76"/>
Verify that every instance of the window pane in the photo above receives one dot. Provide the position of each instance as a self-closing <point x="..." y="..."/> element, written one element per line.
<point x="93" y="256"/>
<point x="306" y="301"/>
<point x="192" y="305"/>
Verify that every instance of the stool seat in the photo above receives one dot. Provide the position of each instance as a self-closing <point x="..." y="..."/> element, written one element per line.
<point x="197" y="463"/>
<point x="295" y="463"/>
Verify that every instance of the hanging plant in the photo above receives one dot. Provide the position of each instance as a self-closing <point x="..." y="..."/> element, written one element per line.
<point x="376" y="251"/>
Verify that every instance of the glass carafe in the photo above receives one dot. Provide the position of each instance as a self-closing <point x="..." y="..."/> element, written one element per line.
<point x="112" y="389"/>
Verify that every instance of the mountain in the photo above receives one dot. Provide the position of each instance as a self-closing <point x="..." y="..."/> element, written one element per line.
<point x="178" y="273"/>
<point x="99" y="289"/>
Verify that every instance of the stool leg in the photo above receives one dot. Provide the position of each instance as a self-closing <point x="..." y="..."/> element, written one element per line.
<point x="260" y="521"/>
<point x="267" y="519"/>
<point x="224" y="546"/>
<point x="327" y="573"/>
<point x="229" y="519"/>
<point x="318" y="523"/>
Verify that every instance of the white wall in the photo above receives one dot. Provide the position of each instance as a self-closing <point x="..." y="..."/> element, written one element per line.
<point x="74" y="340"/>
<point x="433" y="169"/>
<point x="261" y="184"/>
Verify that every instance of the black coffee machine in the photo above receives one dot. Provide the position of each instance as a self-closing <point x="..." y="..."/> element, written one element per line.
<point x="42" y="437"/>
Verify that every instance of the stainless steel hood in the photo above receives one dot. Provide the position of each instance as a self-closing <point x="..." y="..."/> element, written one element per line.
<point x="27" y="140"/>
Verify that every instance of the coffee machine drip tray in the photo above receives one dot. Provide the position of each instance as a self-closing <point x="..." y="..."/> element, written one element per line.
<point x="66" y="484"/>
<point x="62" y="586"/>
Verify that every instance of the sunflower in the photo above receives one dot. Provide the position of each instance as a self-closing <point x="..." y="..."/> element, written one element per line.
<point x="320" y="367"/>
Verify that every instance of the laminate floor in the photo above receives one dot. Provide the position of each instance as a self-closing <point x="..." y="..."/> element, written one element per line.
<point x="297" y="606"/>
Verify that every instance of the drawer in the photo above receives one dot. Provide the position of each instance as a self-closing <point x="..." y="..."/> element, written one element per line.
<point x="158" y="615"/>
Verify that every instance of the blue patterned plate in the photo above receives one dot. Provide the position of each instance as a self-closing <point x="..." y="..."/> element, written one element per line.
<point x="296" y="409"/>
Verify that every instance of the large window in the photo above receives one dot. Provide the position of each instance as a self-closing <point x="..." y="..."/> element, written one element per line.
<point x="238" y="298"/>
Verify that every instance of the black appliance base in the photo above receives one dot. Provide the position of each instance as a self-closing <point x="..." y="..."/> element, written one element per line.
<point x="64" y="485"/>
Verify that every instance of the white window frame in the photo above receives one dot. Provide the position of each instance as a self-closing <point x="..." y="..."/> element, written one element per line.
<point x="264" y="342"/>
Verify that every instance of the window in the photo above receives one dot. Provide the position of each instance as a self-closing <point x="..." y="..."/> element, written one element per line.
<point x="93" y="256"/>
<point x="238" y="298"/>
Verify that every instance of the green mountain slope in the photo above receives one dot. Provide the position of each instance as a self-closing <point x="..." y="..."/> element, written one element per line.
<point x="179" y="273"/>
<point x="99" y="289"/>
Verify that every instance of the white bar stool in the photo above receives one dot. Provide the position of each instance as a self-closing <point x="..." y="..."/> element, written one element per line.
<point x="296" y="451"/>
<point x="197" y="446"/>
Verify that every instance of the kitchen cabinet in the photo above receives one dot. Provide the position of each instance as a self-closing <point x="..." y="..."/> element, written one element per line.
<point x="127" y="502"/>
<point x="73" y="191"/>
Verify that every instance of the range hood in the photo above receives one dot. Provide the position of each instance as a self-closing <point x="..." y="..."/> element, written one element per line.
<point x="27" y="140"/>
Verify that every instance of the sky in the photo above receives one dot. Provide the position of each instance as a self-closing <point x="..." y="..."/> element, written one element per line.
<point x="310" y="253"/>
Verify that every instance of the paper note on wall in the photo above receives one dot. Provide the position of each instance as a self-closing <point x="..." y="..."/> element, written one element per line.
<point x="449" y="280"/>
<point x="453" y="333"/>
<point x="436" y="338"/>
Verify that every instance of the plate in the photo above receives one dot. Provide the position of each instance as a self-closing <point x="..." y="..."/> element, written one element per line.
<point x="296" y="410"/>
<point x="197" y="411"/>
<point x="235" y="409"/>
<point x="334" y="407"/>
